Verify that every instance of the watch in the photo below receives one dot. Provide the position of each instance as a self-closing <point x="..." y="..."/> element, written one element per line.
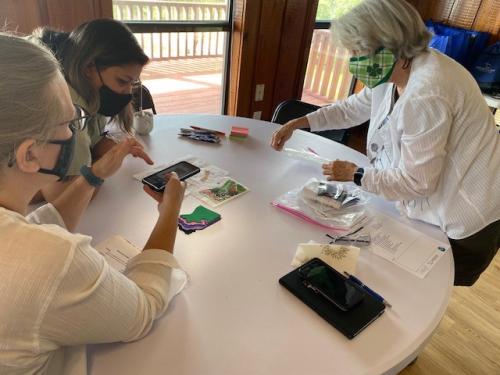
<point x="91" y="178"/>
<point x="358" y="175"/>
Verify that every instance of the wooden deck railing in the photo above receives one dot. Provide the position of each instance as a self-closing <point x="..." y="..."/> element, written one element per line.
<point x="327" y="71"/>
<point x="165" y="46"/>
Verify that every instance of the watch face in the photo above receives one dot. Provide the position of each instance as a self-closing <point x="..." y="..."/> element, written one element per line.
<point x="358" y="175"/>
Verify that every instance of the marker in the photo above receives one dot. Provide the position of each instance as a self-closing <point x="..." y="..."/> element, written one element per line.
<point x="370" y="291"/>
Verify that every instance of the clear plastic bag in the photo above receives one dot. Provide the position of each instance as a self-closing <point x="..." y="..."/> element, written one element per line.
<point x="328" y="212"/>
<point x="305" y="155"/>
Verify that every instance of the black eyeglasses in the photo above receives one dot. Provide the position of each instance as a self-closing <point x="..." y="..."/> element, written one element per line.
<point x="79" y="123"/>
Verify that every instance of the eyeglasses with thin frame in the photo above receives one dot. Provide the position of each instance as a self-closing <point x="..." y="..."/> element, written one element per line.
<point x="79" y="123"/>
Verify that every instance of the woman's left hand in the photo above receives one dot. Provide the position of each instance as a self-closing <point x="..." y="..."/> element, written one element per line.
<point x="339" y="170"/>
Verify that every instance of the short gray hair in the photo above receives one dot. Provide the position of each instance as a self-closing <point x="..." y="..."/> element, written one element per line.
<point x="393" y="24"/>
<point x="27" y="109"/>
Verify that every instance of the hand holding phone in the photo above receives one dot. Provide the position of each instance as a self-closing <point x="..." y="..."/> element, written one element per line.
<point x="158" y="180"/>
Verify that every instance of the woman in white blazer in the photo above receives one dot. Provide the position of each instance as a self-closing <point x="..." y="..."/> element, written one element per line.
<point x="431" y="142"/>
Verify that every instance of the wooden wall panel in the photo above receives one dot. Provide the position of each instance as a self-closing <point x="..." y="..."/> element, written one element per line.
<point x="292" y="63"/>
<point x="270" y="46"/>
<point x="66" y="14"/>
<point x="243" y="55"/>
<point x="20" y="15"/>
<point x="268" y="54"/>
<point x="481" y="15"/>
<point x="488" y="18"/>
<point x="26" y="15"/>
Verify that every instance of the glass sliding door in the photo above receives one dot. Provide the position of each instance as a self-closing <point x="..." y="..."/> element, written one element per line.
<point x="187" y="42"/>
<point x="327" y="77"/>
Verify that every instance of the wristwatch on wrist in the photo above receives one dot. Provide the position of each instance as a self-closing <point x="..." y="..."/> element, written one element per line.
<point x="91" y="178"/>
<point x="358" y="175"/>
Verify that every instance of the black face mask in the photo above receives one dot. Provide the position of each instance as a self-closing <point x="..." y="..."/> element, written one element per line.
<point x="65" y="157"/>
<point x="111" y="102"/>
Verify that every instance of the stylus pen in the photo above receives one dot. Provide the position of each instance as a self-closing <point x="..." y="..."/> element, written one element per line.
<point x="370" y="291"/>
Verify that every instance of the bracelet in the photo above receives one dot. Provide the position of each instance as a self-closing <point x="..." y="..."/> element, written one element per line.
<point x="90" y="177"/>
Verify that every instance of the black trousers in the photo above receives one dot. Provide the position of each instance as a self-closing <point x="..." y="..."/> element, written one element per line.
<point x="472" y="255"/>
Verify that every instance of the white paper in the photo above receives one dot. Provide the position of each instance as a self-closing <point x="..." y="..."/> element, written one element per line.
<point x="118" y="251"/>
<point x="342" y="258"/>
<point x="399" y="243"/>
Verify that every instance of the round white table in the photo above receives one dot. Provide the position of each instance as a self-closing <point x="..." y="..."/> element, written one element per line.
<point x="234" y="317"/>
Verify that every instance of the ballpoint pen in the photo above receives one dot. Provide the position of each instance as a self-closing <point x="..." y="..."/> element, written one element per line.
<point x="345" y="237"/>
<point x="370" y="291"/>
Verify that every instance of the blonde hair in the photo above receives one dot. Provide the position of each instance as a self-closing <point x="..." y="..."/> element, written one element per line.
<point x="27" y="109"/>
<point x="393" y="24"/>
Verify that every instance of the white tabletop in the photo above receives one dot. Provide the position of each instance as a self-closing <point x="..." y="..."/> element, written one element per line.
<point x="234" y="317"/>
<point x="493" y="102"/>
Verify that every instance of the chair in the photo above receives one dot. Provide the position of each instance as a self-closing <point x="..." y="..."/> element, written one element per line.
<point x="292" y="109"/>
<point x="142" y="94"/>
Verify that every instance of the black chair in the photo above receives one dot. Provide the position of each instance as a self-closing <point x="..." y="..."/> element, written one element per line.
<point x="142" y="94"/>
<point x="292" y="109"/>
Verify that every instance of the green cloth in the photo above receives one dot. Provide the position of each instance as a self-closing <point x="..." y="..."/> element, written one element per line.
<point x="201" y="213"/>
<point x="88" y="138"/>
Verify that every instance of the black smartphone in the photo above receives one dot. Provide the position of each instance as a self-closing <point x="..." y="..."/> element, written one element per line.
<point x="183" y="169"/>
<point x="332" y="285"/>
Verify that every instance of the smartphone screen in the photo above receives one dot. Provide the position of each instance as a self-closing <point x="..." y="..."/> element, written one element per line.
<point x="324" y="280"/>
<point x="183" y="169"/>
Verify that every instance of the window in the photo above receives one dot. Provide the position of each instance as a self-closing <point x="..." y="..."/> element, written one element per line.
<point x="187" y="42"/>
<point x="327" y="75"/>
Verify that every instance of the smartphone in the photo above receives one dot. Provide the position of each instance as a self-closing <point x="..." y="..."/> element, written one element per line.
<point x="332" y="285"/>
<point x="183" y="169"/>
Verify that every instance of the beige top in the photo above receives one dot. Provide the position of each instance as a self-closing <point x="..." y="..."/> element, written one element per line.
<point x="87" y="139"/>
<point x="58" y="293"/>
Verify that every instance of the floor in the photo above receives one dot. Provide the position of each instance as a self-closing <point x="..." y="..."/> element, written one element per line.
<point x="467" y="342"/>
<point x="192" y="85"/>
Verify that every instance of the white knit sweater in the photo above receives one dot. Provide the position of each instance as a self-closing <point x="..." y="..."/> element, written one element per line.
<point x="58" y="294"/>
<point x="437" y="153"/>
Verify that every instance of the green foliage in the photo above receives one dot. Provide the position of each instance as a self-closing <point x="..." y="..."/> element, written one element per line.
<point x="330" y="9"/>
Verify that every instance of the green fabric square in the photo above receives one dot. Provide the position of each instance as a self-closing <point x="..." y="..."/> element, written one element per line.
<point x="202" y="213"/>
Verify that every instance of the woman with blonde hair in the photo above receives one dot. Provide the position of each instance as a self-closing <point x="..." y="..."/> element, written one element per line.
<point x="101" y="61"/>
<point x="57" y="292"/>
<point x="431" y="142"/>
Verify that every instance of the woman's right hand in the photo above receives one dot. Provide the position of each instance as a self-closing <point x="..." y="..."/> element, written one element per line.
<point x="284" y="133"/>
<point x="172" y="196"/>
<point x="112" y="160"/>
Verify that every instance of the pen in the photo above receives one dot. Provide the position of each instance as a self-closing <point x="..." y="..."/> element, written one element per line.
<point x="311" y="150"/>
<point x="345" y="235"/>
<point x="208" y="130"/>
<point x="370" y="291"/>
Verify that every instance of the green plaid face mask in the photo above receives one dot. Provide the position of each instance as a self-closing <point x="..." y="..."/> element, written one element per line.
<point x="374" y="69"/>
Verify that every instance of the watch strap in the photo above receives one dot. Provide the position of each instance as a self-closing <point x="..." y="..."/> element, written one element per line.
<point x="91" y="178"/>
<point x="358" y="175"/>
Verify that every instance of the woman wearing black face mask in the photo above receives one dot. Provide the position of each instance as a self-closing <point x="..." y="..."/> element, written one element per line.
<point x="102" y="61"/>
<point x="58" y="293"/>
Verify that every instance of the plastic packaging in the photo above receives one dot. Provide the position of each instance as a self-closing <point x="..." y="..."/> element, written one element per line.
<point x="305" y="155"/>
<point x="327" y="212"/>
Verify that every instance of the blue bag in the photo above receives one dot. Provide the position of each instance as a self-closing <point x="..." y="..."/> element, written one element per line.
<point x="486" y="69"/>
<point x="460" y="44"/>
